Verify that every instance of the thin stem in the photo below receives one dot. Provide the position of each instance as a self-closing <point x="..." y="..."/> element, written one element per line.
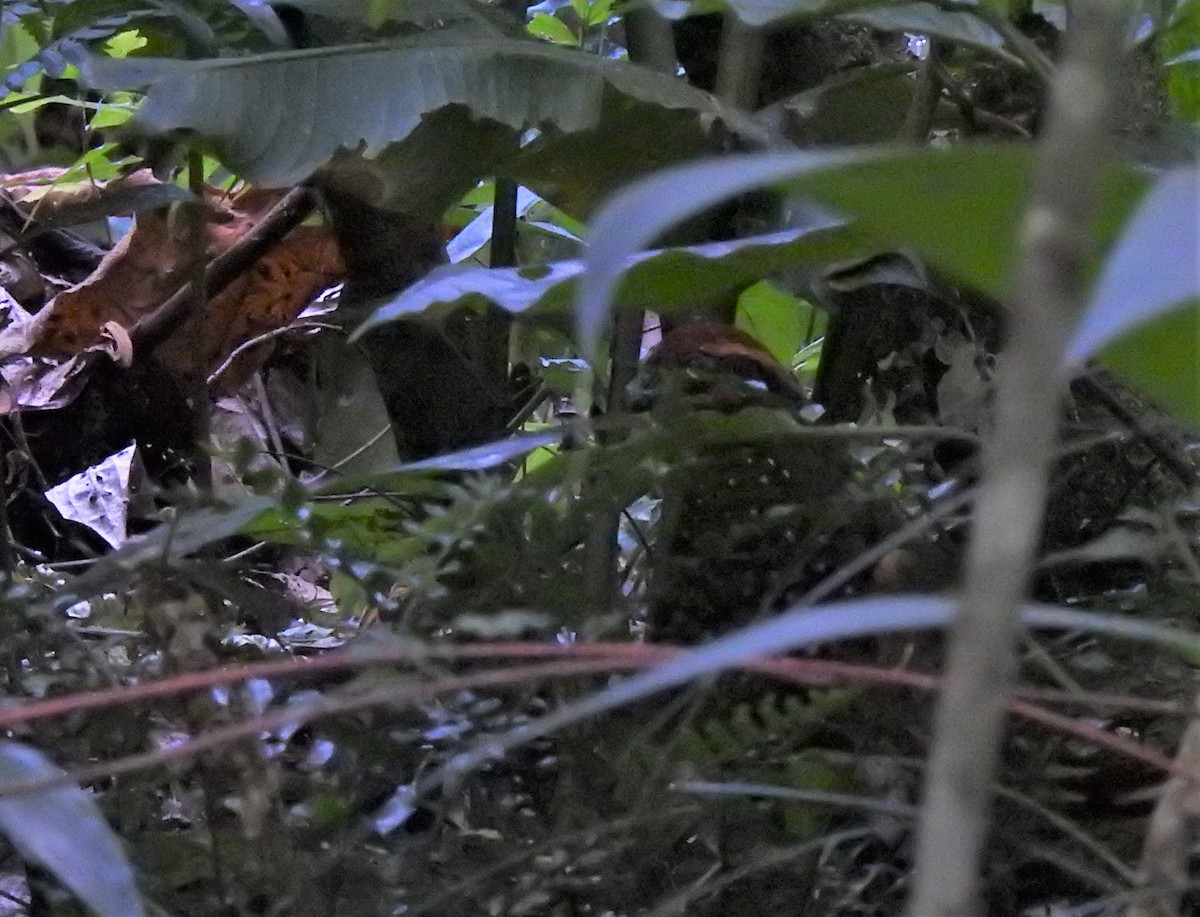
<point x="918" y="120"/>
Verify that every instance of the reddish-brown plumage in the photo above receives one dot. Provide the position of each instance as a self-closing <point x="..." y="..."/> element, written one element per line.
<point x="716" y="347"/>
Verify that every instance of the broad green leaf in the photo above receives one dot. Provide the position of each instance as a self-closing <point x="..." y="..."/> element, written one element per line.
<point x="576" y="170"/>
<point x="276" y="118"/>
<point x="959" y="209"/>
<point x="16" y="46"/>
<point x="599" y="12"/>
<point x="110" y="115"/>
<point x="62" y="829"/>
<point x="265" y="19"/>
<point x="659" y="281"/>
<point x="752" y="12"/>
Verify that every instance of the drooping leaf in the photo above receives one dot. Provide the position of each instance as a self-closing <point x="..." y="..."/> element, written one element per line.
<point x="62" y="829"/>
<point x="552" y="29"/>
<point x="576" y="170"/>
<point x="352" y="15"/>
<point x="478" y="233"/>
<point x="265" y="19"/>
<point x="960" y="209"/>
<point x="861" y="105"/>
<point x="276" y="118"/>
<point x="659" y="281"/>
<point x="1154" y="267"/>
<point x="489" y="455"/>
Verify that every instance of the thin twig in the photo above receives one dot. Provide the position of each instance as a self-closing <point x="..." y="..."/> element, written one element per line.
<point x="1099" y="388"/>
<point x="600" y="550"/>
<point x="347" y="459"/>
<point x="1164" y="864"/>
<point x="264" y="338"/>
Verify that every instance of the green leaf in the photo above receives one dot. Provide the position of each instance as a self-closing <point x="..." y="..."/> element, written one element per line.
<point x="62" y="829"/>
<point x="551" y="28"/>
<point x="959" y="209"/>
<point x="599" y="12"/>
<point x="490" y="455"/>
<point x="1162" y="360"/>
<point x="659" y="281"/>
<point x="276" y="118"/>
<point x="960" y="26"/>
<point x="124" y="43"/>
<point x="576" y="170"/>
<point x="773" y="318"/>
<point x="862" y="105"/>
<point x="1179" y="46"/>
<point x="110" y="115"/>
<point x="16" y="46"/>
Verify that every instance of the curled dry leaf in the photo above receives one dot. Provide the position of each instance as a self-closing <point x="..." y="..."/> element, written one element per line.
<point x="117" y="343"/>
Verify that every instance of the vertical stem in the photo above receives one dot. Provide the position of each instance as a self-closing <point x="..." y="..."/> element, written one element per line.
<point x="650" y="41"/>
<point x="504" y="224"/>
<point x="600" y="551"/>
<point x="1048" y="284"/>
<point x="652" y="44"/>
<point x="739" y="68"/>
<point x="927" y="92"/>
<point x="197" y="394"/>
<point x="498" y="327"/>
<point x="8" y="553"/>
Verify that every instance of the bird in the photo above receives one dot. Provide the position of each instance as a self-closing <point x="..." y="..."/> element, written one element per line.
<point x="713" y="365"/>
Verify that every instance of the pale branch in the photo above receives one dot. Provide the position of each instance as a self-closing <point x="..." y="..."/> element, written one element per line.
<point x="981" y="665"/>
